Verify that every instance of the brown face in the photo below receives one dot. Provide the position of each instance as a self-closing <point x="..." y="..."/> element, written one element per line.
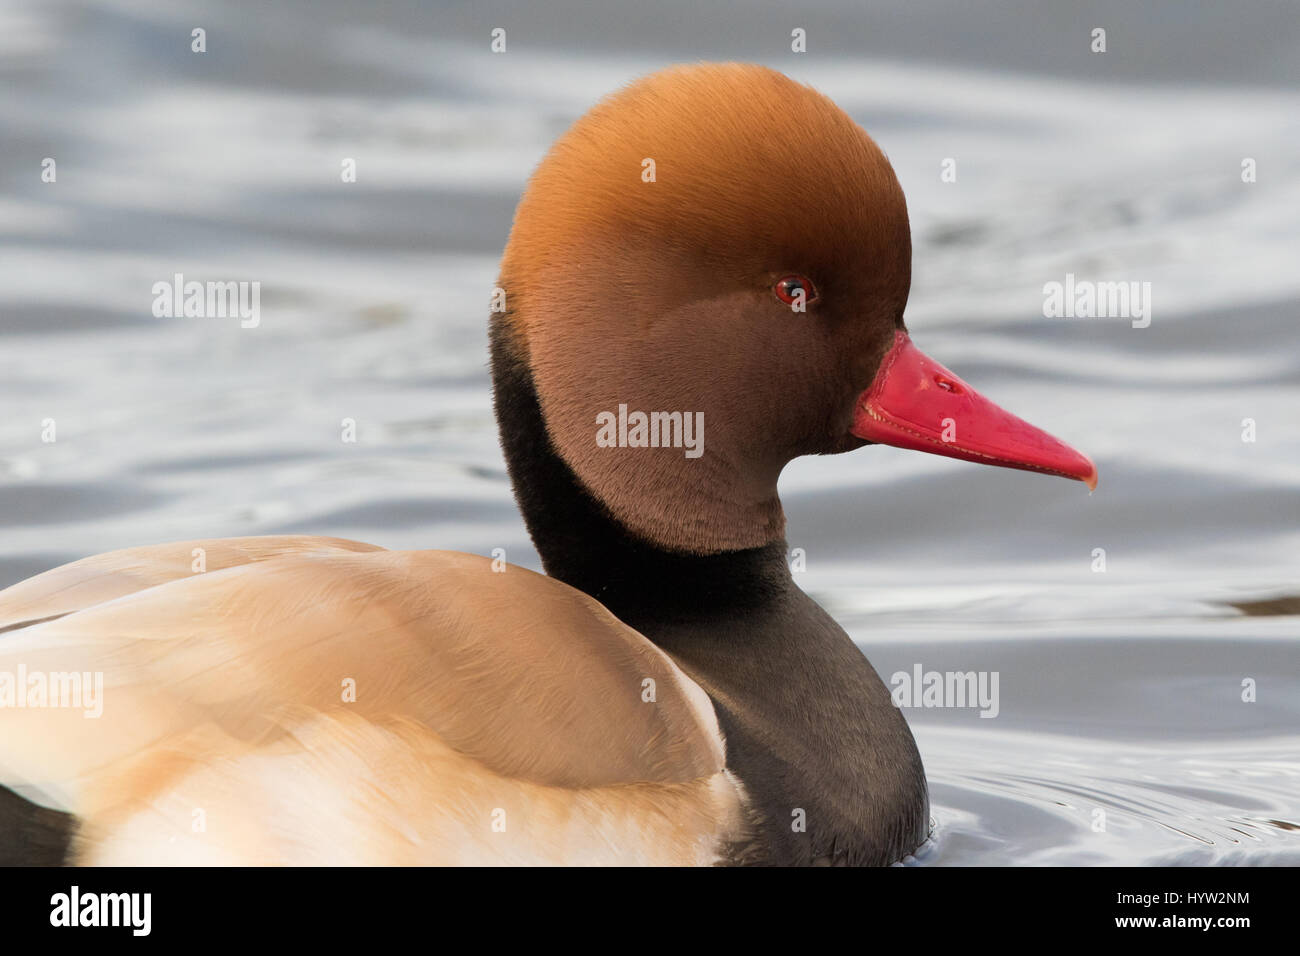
<point x="719" y="242"/>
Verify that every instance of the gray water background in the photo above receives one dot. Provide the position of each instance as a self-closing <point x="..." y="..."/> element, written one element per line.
<point x="1119" y="691"/>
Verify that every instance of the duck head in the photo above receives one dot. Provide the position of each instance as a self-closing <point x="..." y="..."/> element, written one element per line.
<point x="725" y="247"/>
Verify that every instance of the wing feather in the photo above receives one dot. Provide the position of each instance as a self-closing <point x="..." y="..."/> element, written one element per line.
<point x="103" y="577"/>
<point x="530" y="681"/>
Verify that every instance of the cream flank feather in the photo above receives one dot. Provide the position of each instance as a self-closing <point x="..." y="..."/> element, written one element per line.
<point x="498" y="717"/>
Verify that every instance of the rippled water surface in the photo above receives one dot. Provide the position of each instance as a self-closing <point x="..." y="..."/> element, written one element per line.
<point x="1121" y="733"/>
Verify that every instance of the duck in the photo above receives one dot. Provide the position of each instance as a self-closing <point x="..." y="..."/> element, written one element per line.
<point x="716" y="247"/>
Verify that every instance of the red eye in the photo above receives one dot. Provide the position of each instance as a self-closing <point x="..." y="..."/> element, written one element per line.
<point x="793" y="290"/>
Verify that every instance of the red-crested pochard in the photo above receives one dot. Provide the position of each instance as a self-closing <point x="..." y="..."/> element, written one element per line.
<point x="705" y="279"/>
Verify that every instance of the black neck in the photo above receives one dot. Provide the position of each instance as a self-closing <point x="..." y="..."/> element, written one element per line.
<point x="583" y="546"/>
<point x="809" y="725"/>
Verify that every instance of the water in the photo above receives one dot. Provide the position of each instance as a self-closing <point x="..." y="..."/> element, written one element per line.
<point x="1120" y="692"/>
